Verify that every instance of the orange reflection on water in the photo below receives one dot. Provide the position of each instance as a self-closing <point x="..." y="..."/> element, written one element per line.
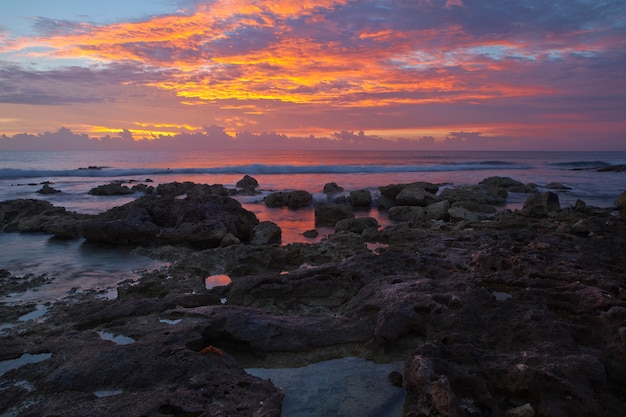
<point x="216" y="281"/>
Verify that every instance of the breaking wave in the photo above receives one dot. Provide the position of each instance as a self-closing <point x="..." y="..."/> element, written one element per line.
<point x="252" y="169"/>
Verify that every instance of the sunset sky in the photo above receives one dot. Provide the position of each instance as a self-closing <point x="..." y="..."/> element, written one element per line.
<point x="414" y="74"/>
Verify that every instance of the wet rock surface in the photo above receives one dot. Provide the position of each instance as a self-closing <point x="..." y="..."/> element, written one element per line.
<point x="516" y="313"/>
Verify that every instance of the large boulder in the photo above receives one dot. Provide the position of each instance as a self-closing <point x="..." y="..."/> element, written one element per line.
<point x="361" y="198"/>
<point x="332" y="188"/>
<point x="292" y="199"/>
<point x="247" y="184"/>
<point x="415" y="197"/>
<point x="265" y="233"/>
<point x="328" y="214"/>
<point x="392" y="190"/>
<point x="540" y="205"/>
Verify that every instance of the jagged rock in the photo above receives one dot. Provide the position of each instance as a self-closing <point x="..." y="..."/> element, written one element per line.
<point x="47" y="189"/>
<point x="113" y="188"/>
<point x="265" y="233"/>
<point x="479" y="194"/>
<point x="202" y="219"/>
<point x="143" y="188"/>
<point x="328" y="214"/>
<point x="24" y="215"/>
<point x="508" y="184"/>
<point x="361" y="199"/>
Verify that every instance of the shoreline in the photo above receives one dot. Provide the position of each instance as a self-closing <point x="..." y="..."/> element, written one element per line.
<point x="490" y="311"/>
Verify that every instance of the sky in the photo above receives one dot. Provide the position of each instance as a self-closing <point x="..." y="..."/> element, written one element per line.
<point x="268" y="74"/>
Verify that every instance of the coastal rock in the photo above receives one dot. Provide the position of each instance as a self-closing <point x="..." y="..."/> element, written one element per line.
<point x="557" y="186"/>
<point x="247" y="184"/>
<point x="142" y="188"/>
<point x="462" y="214"/>
<point x="328" y="214"/>
<point x="415" y="197"/>
<point x="508" y="184"/>
<point x="25" y="215"/>
<point x="436" y="211"/>
<point x="47" y="189"/>
<point x="540" y="205"/>
<point x="292" y="199"/>
<point x="114" y="188"/>
<point x="265" y="233"/>
<point x="332" y="188"/>
<point x="478" y="194"/>
<point x="361" y="199"/>
<point x="391" y="191"/>
<point x="173" y="189"/>
<point x="620" y="203"/>
<point x="202" y="219"/>
<point x="489" y="319"/>
<point x="405" y="213"/>
<point x="357" y="225"/>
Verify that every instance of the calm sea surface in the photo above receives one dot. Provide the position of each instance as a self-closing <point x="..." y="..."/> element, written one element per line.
<point x="75" y="264"/>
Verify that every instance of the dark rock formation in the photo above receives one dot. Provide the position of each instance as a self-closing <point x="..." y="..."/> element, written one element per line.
<point x="114" y="188"/>
<point x="332" y="188"/>
<point x="328" y="214"/>
<point x="265" y="233"/>
<point x="247" y="185"/>
<point x="361" y="199"/>
<point x="292" y="199"/>
<point x="39" y="216"/>
<point x="356" y="225"/>
<point x="201" y="219"/>
<point x="540" y="205"/>
<point x="47" y="189"/>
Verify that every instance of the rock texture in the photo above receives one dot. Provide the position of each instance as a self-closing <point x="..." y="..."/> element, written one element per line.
<point x="521" y="313"/>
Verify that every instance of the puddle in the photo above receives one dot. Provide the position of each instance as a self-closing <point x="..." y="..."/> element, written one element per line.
<point x="376" y="247"/>
<point x="501" y="296"/>
<point x="339" y="387"/>
<point x="117" y="339"/>
<point x="39" y="311"/>
<point x="171" y="322"/>
<point x="216" y="281"/>
<point x="107" y="392"/>
<point x="6" y="366"/>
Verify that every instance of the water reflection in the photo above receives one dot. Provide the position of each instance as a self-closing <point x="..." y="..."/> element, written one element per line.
<point x="338" y="387"/>
<point x="216" y="281"/>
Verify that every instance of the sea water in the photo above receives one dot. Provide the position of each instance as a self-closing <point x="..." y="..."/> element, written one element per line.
<point x="76" y="265"/>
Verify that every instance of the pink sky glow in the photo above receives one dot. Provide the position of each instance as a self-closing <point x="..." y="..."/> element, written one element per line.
<point x="372" y="74"/>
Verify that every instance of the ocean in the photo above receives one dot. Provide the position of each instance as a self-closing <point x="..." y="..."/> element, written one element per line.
<point x="78" y="266"/>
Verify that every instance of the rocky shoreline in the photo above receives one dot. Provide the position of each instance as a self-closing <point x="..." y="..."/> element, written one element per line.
<point x="494" y="312"/>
